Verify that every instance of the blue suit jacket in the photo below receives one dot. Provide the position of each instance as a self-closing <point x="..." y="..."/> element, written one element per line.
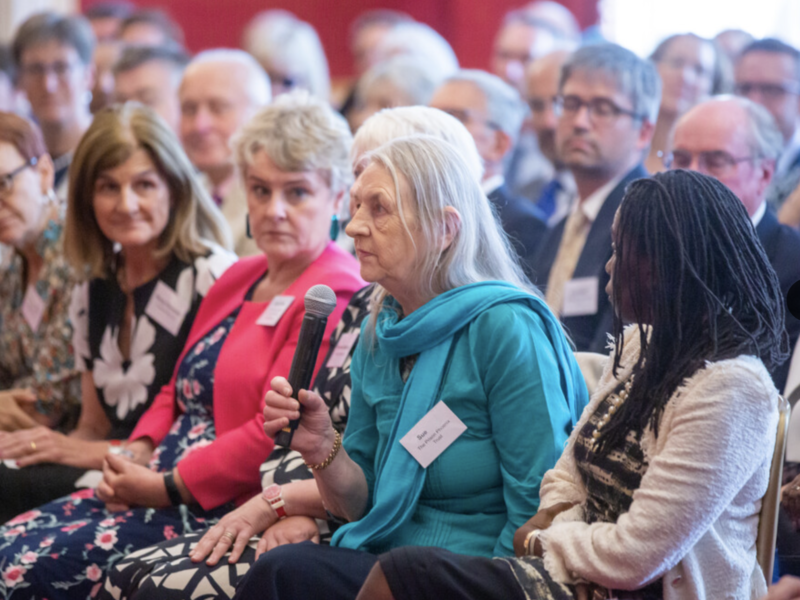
<point x="522" y="221"/>
<point x="782" y="245"/>
<point x="589" y="332"/>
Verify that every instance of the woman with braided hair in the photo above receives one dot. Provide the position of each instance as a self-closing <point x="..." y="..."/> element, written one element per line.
<point x="658" y="492"/>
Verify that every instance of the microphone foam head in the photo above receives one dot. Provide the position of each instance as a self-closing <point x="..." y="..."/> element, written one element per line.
<point x="320" y="301"/>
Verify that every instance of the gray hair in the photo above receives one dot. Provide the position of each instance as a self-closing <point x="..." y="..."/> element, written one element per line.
<point x="278" y="38"/>
<point x="635" y="77"/>
<point x="764" y="139"/>
<point x="257" y="79"/>
<point x="299" y="132"/>
<point x="503" y="103"/>
<point x="73" y="30"/>
<point x="438" y="177"/>
<point x="392" y="123"/>
<point x="420" y="41"/>
<point x="409" y="74"/>
<point x="133" y="57"/>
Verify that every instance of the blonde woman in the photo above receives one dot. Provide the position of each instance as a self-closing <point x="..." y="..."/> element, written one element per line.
<point x="149" y="241"/>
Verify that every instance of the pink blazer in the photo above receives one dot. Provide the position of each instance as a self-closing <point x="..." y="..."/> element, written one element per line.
<point x="251" y="356"/>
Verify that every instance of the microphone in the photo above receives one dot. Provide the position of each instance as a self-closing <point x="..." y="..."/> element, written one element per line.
<point x="320" y="301"/>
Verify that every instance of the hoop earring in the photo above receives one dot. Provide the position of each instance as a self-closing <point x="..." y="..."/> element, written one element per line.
<point x="247" y="225"/>
<point x="334" y="232"/>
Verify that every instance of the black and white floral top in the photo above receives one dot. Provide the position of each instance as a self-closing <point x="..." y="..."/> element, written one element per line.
<point x="126" y="388"/>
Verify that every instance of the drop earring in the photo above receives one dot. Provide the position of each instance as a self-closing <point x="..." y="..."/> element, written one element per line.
<point x="334" y="227"/>
<point x="247" y="224"/>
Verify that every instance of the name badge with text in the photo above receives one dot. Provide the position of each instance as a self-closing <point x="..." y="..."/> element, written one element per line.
<point x="433" y="434"/>
<point x="33" y="308"/>
<point x="272" y="315"/>
<point x="342" y="350"/>
<point x="580" y="297"/>
<point x="166" y="308"/>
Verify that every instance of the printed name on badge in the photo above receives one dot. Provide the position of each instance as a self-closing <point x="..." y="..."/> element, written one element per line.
<point x="433" y="434"/>
<point x="272" y="315"/>
<point x="33" y="308"/>
<point x="342" y="350"/>
<point x="580" y="297"/>
<point x="166" y="308"/>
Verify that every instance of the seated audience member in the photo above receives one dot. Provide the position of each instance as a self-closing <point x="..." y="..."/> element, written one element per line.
<point x="521" y="39"/>
<point x="768" y="72"/>
<point x="690" y="69"/>
<point x="736" y="141"/>
<point x="150" y="27"/>
<point x="195" y="562"/>
<point x="11" y="99"/>
<point x="398" y="81"/>
<point x="658" y="492"/>
<point x="602" y="146"/>
<point x="152" y="75"/>
<point x="38" y="379"/>
<point x="132" y="188"/>
<point x="106" y="18"/>
<point x="446" y="283"/>
<point x="105" y="55"/>
<point x="492" y="111"/>
<point x="294" y="158"/>
<point x="541" y="80"/>
<point x="421" y="42"/>
<point x="221" y="90"/>
<point x="53" y="55"/>
<point x="558" y="17"/>
<point x="290" y="52"/>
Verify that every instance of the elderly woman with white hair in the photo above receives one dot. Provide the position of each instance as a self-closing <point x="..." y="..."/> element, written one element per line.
<point x="196" y="563"/>
<point x="290" y="52"/>
<point x="203" y="431"/>
<point x="445" y="413"/>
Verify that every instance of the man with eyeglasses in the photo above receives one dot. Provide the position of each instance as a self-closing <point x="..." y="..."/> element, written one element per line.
<point x="736" y="141"/>
<point x="53" y="55"/>
<point x="492" y="111"/>
<point x="607" y="106"/>
<point x="768" y="73"/>
<point x="541" y="79"/>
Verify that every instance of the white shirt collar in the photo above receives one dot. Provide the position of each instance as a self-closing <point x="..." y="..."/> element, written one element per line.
<point x="592" y="205"/>
<point x="789" y="154"/>
<point x="493" y="183"/>
<point x="759" y="214"/>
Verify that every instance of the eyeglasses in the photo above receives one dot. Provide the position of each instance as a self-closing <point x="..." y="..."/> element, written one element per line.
<point x="601" y="110"/>
<point x="7" y="180"/>
<point x="714" y="162"/>
<point x="768" y="91"/>
<point x="465" y="116"/>
<point x="539" y="105"/>
<point x="40" y="70"/>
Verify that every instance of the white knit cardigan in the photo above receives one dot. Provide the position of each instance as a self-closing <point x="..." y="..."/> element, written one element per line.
<point x="694" y="519"/>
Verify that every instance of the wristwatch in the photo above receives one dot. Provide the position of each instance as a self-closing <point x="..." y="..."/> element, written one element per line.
<point x="274" y="497"/>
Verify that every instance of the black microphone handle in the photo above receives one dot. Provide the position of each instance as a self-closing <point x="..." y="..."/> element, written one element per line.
<point x="305" y="357"/>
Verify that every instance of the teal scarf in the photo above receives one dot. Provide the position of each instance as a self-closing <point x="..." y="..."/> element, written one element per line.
<point x="429" y="332"/>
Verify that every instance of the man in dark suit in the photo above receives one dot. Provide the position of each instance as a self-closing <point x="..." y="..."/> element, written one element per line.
<point x="737" y="141"/>
<point x="607" y="104"/>
<point x="492" y="111"/>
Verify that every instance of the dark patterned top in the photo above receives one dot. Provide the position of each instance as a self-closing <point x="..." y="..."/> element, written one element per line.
<point x="194" y="392"/>
<point x="41" y="358"/>
<point x="126" y="388"/>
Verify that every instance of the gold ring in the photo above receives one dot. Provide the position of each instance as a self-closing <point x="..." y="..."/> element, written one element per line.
<point x="33" y="446"/>
<point x="230" y="536"/>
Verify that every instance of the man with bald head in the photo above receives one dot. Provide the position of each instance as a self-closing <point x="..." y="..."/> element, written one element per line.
<point x="541" y="85"/>
<point x="220" y="91"/>
<point x="737" y="141"/>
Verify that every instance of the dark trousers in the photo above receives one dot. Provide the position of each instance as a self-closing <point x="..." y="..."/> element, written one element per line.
<point x="306" y="571"/>
<point x="29" y="487"/>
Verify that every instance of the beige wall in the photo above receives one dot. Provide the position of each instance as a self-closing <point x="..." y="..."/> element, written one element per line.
<point x="13" y="12"/>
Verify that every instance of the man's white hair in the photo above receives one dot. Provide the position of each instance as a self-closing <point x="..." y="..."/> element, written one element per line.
<point x="258" y="84"/>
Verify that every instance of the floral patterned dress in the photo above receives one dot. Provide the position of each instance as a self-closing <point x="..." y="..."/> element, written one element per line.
<point x="62" y="550"/>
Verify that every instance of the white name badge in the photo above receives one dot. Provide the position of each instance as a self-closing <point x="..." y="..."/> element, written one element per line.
<point x="11" y="463"/>
<point x="433" y="434"/>
<point x="33" y="308"/>
<point x="580" y="297"/>
<point x="166" y="308"/>
<point x="275" y="310"/>
<point x="342" y="350"/>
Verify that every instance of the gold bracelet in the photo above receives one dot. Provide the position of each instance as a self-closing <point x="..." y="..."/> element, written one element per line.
<point x="531" y="535"/>
<point x="337" y="444"/>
